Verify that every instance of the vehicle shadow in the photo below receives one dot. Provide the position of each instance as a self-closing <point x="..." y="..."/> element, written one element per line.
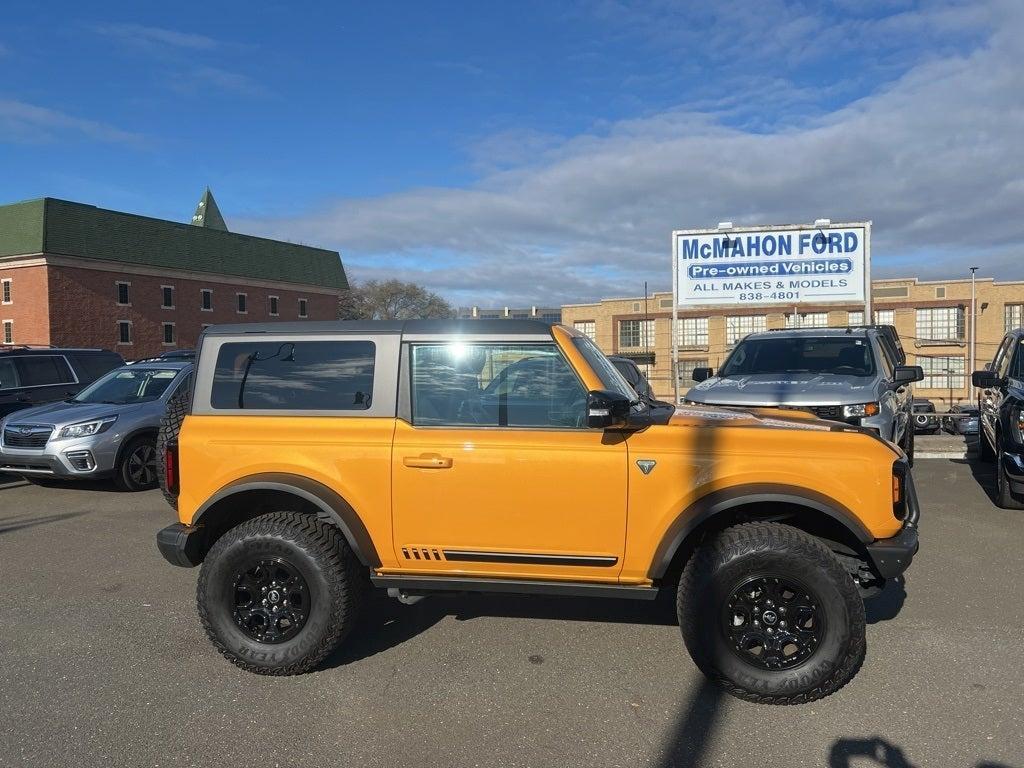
<point x="687" y="742"/>
<point x="19" y="522"/>
<point x="846" y="753"/>
<point x="887" y="604"/>
<point x="387" y="623"/>
<point x="983" y="472"/>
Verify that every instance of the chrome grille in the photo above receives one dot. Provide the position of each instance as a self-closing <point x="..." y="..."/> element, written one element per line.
<point x="27" y="435"/>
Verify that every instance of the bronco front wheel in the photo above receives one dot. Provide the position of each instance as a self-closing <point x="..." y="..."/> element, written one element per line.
<point x="769" y="613"/>
<point x="279" y="592"/>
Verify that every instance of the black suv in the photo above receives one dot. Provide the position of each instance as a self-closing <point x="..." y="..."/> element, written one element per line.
<point x="1001" y="404"/>
<point x="35" y="375"/>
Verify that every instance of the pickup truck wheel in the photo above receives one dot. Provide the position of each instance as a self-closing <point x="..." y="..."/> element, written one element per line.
<point x="1005" y="497"/>
<point x="278" y="593"/>
<point x="769" y="613"/>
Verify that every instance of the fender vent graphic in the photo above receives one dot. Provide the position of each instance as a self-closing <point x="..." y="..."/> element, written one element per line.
<point x="422" y="553"/>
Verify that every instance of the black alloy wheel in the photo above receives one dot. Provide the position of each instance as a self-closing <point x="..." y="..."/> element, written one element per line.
<point x="137" y="469"/>
<point x="271" y="599"/>
<point x="773" y="623"/>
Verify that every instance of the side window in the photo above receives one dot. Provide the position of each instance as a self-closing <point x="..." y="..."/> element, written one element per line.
<point x="884" y="355"/>
<point x="495" y="385"/>
<point x="294" y="375"/>
<point x="43" y="370"/>
<point x="1003" y="355"/>
<point x="8" y="374"/>
<point x="1015" y="370"/>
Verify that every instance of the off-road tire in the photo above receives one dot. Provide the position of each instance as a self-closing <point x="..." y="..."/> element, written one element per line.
<point x="123" y="472"/>
<point x="170" y="425"/>
<point x="908" y="447"/>
<point x="722" y="564"/>
<point x="336" y="581"/>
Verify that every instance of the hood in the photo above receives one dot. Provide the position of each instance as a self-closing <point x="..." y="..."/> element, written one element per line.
<point x="765" y="418"/>
<point x="62" y="413"/>
<point x="784" y="389"/>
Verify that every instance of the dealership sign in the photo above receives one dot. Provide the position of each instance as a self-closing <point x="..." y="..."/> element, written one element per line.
<point x="793" y="264"/>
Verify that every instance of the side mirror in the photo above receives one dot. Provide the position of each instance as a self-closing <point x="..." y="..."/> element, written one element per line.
<point x="606" y="410"/>
<point x="907" y="374"/>
<point x="703" y="374"/>
<point x="986" y="380"/>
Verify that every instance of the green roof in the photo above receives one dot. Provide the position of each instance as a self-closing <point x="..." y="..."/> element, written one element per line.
<point x="60" y="227"/>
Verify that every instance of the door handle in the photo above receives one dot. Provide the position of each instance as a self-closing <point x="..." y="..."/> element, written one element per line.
<point x="428" y="461"/>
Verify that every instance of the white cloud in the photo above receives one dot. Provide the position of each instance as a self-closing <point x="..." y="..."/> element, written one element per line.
<point x="21" y="122"/>
<point x="934" y="158"/>
<point x="156" y="37"/>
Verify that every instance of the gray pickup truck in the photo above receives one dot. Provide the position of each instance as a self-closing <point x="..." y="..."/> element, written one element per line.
<point x="856" y="375"/>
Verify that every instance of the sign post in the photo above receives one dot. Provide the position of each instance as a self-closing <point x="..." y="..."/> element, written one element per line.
<point x="788" y="264"/>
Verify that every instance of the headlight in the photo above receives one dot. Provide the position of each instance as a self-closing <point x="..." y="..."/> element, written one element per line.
<point x="863" y="409"/>
<point x="86" y="428"/>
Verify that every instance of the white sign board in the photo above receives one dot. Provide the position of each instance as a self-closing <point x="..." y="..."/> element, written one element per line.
<point x="799" y="264"/>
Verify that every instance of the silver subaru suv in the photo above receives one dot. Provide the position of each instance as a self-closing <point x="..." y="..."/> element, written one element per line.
<point x="857" y="375"/>
<point x="108" y="429"/>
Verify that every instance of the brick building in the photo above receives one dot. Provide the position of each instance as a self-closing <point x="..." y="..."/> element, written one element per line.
<point x="933" y="319"/>
<point x="76" y="275"/>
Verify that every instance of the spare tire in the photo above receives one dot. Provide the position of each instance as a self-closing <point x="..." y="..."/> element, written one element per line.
<point x="170" y="425"/>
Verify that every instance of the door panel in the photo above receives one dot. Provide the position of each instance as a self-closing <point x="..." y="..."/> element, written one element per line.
<point x="509" y="502"/>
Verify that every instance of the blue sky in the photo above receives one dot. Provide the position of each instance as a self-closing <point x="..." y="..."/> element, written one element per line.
<point x="530" y="152"/>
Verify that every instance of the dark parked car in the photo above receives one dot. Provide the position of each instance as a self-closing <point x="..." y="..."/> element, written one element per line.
<point x="635" y="377"/>
<point x="1002" y="418"/>
<point x="925" y="420"/>
<point x="31" y="376"/>
<point x="964" y="423"/>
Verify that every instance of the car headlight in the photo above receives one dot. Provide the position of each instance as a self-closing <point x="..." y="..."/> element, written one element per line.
<point x="86" y="428"/>
<point x="861" y="409"/>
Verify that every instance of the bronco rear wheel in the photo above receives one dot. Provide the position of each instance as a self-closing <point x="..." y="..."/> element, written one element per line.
<point x="279" y="592"/>
<point x="769" y="613"/>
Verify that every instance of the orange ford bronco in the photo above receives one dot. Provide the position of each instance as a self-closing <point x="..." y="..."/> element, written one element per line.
<point x="313" y="461"/>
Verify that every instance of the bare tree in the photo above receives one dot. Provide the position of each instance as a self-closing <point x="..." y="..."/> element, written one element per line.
<point x="391" y="300"/>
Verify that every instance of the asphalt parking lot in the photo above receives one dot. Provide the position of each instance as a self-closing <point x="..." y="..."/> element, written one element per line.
<point x="103" y="663"/>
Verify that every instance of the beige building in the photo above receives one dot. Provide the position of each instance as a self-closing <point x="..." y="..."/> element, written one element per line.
<point x="933" y="319"/>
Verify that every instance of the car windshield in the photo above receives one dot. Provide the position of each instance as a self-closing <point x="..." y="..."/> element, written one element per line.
<point x="840" y="355"/>
<point x="128" y="385"/>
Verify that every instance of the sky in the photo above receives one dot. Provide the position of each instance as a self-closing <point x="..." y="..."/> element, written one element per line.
<point x="531" y="153"/>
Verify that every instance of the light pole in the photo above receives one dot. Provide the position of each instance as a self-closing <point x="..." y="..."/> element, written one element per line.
<point x="974" y="334"/>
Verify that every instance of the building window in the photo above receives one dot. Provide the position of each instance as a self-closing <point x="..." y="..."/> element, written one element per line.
<point x="885" y="317"/>
<point x="940" y="324"/>
<point x="738" y="326"/>
<point x="206" y="300"/>
<point x="1013" y="316"/>
<point x="587" y="327"/>
<point x="686" y="368"/>
<point x="8" y="331"/>
<point x="692" y="331"/>
<point x="167" y="294"/>
<point x="303" y="308"/>
<point x="636" y="333"/>
<point x="807" y="320"/>
<point x="665" y="303"/>
<point x="124" y="298"/>
<point x="942" y="372"/>
<point x="124" y="331"/>
<point x="168" y="333"/>
<point x="273" y="305"/>
<point x="5" y="290"/>
<point x="855" y="318"/>
<point x="241" y="308"/>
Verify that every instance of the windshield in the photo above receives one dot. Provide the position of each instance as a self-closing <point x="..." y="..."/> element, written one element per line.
<point x="128" y="385"/>
<point x="840" y="355"/>
<point x="611" y="379"/>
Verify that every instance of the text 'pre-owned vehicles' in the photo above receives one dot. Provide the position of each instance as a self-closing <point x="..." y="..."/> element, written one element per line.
<point x="317" y="459"/>
<point x="857" y="375"/>
<point x="1001" y="407"/>
<point x="31" y="375"/>
<point x="108" y="429"/>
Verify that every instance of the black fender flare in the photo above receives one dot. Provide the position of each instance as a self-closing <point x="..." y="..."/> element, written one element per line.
<point x="721" y="501"/>
<point x="329" y="503"/>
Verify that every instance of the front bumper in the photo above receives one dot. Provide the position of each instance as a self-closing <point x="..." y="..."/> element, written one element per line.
<point x="63" y="459"/>
<point x="182" y="545"/>
<point x="1013" y="466"/>
<point x="893" y="556"/>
